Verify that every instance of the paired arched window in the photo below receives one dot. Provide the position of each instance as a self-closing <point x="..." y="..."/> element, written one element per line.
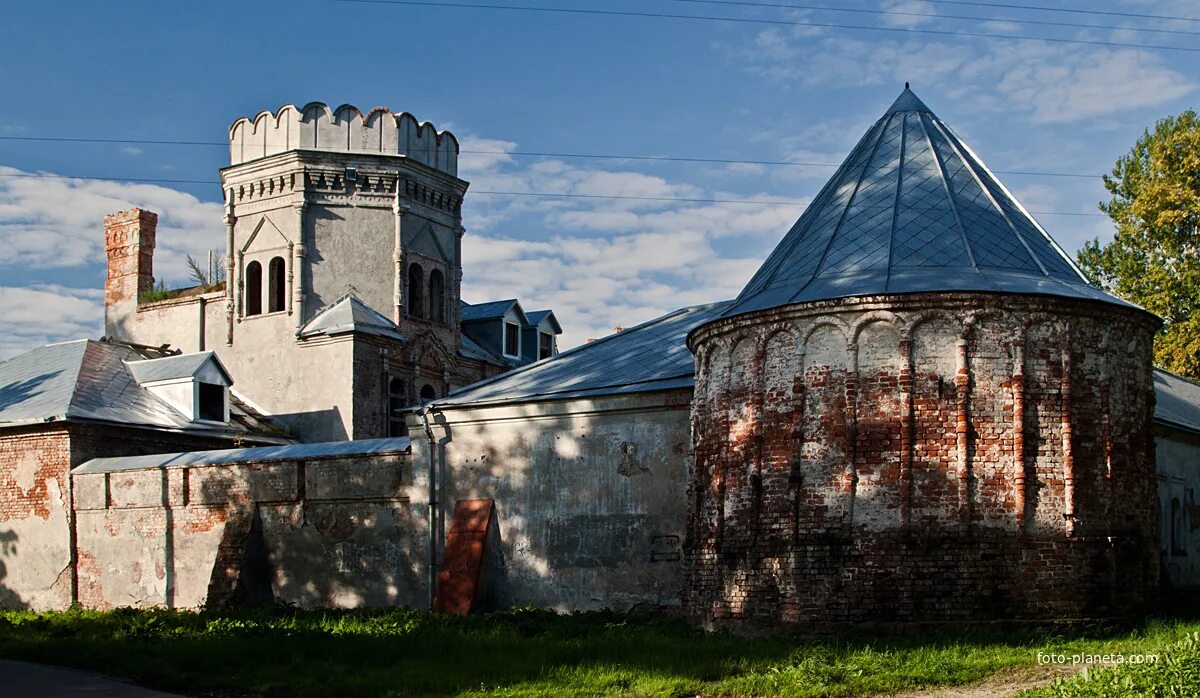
<point x="253" y="289"/>
<point x="276" y="288"/>
<point x="416" y="291"/>
<point x="437" y="296"/>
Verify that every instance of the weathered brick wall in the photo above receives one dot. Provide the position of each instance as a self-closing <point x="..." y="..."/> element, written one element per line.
<point x="336" y="532"/>
<point x="35" y="553"/>
<point x="940" y="458"/>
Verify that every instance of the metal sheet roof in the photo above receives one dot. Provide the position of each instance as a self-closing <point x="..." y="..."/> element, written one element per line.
<point x="173" y="367"/>
<point x="536" y="317"/>
<point x="1176" y="401"/>
<point x="472" y="312"/>
<point x="913" y="209"/>
<point x="650" y="356"/>
<point x="349" y="314"/>
<point x="328" y="449"/>
<point x="86" y="380"/>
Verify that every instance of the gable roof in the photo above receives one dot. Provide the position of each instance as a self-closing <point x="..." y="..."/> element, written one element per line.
<point x="91" y="381"/>
<point x="175" y="367"/>
<point x="536" y="317"/>
<point x="913" y="209"/>
<point x="349" y="313"/>
<point x="491" y="310"/>
<point x="650" y="356"/>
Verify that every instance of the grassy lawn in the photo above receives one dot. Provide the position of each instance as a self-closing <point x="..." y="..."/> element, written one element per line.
<point x="285" y="652"/>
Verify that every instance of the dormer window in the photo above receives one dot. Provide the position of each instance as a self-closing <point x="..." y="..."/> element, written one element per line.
<point x="545" y="345"/>
<point x="195" y="385"/>
<point x="512" y="339"/>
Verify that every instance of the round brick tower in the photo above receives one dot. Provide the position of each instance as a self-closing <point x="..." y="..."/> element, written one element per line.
<point x="918" y="411"/>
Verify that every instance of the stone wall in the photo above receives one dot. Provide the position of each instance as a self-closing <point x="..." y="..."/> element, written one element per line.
<point x="937" y="458"/>
<point x="590" y="494"/>
<point x="333" y="532"/>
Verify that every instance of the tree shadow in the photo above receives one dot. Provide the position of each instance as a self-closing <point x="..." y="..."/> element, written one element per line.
<point x="8" y="549"/>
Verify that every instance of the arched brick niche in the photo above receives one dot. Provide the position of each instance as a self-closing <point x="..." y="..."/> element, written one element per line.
<point x="922" y="458"/>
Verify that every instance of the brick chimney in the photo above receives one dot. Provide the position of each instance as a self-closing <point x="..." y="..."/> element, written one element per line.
<point x="129" y="244"/>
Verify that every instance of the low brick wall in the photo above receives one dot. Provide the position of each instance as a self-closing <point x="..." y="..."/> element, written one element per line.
<point x="335" y="532"/>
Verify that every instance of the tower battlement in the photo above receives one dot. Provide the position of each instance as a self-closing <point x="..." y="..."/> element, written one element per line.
<point x="345" y="129"/>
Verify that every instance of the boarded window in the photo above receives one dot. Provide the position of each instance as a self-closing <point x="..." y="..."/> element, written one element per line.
<point x="437" y="296"/>
<point x="397" y="400"/>
<point x="416" y="291"/>
<point x="253" y="288"/>
<point x="212" y="402"/>
<point x="512" y="339"/>
<point x="545" y="345"/>
<point x="275" y="285"/>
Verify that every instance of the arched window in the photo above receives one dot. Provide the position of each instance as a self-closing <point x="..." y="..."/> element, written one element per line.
<point x="397" y="400"/>
<point x="416" y="291"/>
<point x="275" y="285"/>
<point x="437" y="296"/>
<point x="253" y="288"/>
<point x="427" y="392"/>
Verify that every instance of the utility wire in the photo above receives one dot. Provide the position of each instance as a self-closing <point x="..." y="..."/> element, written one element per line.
<point x="1043" y="8"/>
<point x="899" y="13"/>
<point x="534" y="154"/>
<point x="774" y="22"/>
<point x="534" y="194"/>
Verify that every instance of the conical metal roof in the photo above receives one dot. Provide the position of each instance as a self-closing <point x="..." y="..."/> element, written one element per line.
<point x="912" y="209"/>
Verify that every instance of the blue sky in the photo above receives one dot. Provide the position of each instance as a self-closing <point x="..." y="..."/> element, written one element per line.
<point x="508" y="82"/>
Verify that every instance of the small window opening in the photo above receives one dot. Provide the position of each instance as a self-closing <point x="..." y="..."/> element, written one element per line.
<point x="275" y="285"/>
<point x="428" y="392"/>
<point x="512" y="339"/>
<point x="416" y="291"/>
<point x="437" y="293"/>
<point x="397" y="400"/>
<point x="253" y="288"/>
<point x="545" y="345"/>
<point x="212" y="402"/>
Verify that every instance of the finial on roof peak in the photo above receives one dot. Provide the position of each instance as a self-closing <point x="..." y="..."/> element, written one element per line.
<point x="908" y="101"/>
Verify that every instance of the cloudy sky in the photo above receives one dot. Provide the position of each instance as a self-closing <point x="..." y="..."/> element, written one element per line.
<point x="780" y="84"/>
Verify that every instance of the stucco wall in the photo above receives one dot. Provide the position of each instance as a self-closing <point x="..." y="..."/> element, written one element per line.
<point x="35" y="553"/>
<point x="338" y="532"/>
<point x="590" y="494"/>
<point x="1178" y="456"/>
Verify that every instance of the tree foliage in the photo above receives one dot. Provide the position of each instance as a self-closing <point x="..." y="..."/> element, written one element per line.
<point x="1154" y="257"/>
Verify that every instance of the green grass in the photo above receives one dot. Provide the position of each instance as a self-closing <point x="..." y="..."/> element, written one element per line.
<point x="527" y="652"/>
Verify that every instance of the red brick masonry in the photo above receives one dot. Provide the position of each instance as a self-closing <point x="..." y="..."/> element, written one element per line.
<point x="923" y="458"/>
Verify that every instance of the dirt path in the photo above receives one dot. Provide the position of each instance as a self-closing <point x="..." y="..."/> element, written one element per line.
<point x="1003" y="684"/>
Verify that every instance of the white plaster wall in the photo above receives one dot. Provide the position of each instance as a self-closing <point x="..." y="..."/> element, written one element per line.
<point x="1178" y="460"/>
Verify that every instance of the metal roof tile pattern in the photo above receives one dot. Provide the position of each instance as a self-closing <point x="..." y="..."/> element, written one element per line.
<point x="327" y="449"/>
<point x="650" y="356"/>
<point x="487" y="311"/>
<point x="913" y="209"/>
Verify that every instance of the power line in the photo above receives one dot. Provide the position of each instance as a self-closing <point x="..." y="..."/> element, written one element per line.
<point x="534" y="194"/>
<point x="774" y="22"/>
<point x="899" y="13"/>
<point x="1042" y="8"/>
<point x="534" y="154"/>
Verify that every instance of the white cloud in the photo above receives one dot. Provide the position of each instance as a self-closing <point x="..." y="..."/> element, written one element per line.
<point x="37" y="315"/>
<point x="49" y="222"/>
<point x="909" y="13"/>
<point x="1047" y="83"/>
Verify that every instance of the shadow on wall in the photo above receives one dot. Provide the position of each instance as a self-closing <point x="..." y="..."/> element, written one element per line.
<point x="8" y="549"/>
<point x="591" y="509"/>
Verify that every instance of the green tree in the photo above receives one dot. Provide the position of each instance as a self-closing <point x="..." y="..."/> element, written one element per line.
<point x="1154" y="257"/>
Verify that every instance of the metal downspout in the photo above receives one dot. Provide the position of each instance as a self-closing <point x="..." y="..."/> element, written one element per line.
<point x="432" y="506"/>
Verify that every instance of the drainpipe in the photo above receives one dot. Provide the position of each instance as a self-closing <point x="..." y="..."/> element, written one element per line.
<point x="425" y="410"/>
